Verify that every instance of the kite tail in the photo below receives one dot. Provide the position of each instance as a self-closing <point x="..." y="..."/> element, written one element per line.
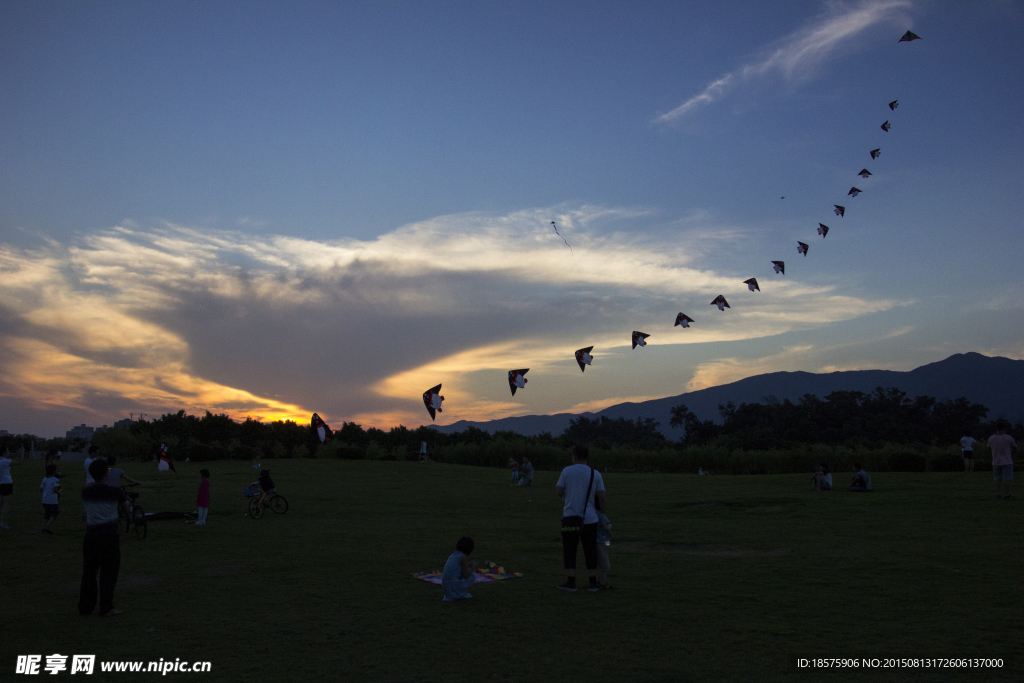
<point x="571" y="252"/>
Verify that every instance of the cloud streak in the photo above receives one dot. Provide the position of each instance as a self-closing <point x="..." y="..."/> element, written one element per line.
<point x="800" y="53"/>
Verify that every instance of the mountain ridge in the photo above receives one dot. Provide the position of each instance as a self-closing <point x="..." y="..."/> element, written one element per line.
<point x="994" y="381"/>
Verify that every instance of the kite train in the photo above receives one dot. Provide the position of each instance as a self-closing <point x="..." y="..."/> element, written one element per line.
<point x="854" y="192"/>
<point x="752" y="284"/>
<point x="639" y="338"/>
<point x="683" y="319"/>
<point x="801" y="248"/>
<point x="875" y="153"/>
<point x="721" y="303"/>
<point x="886" y="126"/>
<point x="839" y="210"/>
<point x="864" y="173"/>
<point x="908" y="37"/>
<point x="822" y="230"/>
<point x="780" y="267"/>
<point x="894" y="104"/>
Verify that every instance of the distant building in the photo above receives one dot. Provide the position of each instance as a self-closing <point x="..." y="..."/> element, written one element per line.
<point x="4" y="432"/>
<point x="82" y="431"/>
<point x="124" y="424"/>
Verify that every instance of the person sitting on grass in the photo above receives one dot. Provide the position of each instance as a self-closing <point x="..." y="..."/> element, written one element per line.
<point x="526" y="472"/>
<point x="267" y="484"/>
<point x="513" y="465"/>
<point x="861" y="481"/>
<point x="459" y="571"/>
<point x="822" y="479"/>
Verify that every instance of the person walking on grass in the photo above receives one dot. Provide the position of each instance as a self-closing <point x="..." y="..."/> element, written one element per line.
<point x="102" y="545"/>
<point x="51" y="503"/>
<point x="459" y="571"/>
<point x="1002" y="446"/>
<point x="203" y="499"/>
<point x="7" y="485"/>
<point x="582" y="489"/>
<point x="967" y="448"/>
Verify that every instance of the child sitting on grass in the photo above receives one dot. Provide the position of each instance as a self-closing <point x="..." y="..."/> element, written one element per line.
<point x="459" y="571"/>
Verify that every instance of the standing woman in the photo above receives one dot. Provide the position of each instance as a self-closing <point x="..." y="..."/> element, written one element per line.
<point x="7" y="485"/>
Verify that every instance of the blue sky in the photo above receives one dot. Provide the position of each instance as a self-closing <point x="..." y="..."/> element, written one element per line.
<point x="269" y="208"/>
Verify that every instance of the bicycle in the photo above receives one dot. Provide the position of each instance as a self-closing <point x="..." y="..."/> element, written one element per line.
<point x="134" y="516"/>
<point x="276" y="502"/>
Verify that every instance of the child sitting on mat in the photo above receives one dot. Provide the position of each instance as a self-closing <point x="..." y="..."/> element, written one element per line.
<point x="459" y="571"/>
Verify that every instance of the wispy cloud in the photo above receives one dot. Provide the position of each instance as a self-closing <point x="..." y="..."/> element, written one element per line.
<point x="800" y="53"/>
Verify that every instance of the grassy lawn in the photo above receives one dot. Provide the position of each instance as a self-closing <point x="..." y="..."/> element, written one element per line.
<point x="716" y="578"/>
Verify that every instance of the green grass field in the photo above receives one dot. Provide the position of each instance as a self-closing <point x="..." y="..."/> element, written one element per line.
<point x="716" y="578"/>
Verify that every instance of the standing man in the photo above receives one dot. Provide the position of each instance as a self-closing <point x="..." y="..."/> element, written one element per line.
<point x="1002" y="445"/>
<point x="94" y="453"/>
<point x="582" y="488"/>
<point x="967" y="446"/>
<point x="102" y="545"/>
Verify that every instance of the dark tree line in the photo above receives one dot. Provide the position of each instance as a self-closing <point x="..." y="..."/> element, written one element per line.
<point x="848" y="418"/>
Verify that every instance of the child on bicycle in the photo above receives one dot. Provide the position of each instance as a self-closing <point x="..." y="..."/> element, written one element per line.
<point x="267" y="484"/>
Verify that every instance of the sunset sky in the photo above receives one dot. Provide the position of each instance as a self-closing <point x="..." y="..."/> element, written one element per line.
<point x="269" y="209"/>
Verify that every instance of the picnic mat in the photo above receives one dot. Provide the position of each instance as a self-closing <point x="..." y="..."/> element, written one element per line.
<point x="486" y="573"/>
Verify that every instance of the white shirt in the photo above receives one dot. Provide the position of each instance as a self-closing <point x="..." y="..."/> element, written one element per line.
<point x="967" y="443"/>
<point x="575" y="479"/>
<point x="48" y="486"/>
<point x="88" y="477"/>
<point x="5" y="471"/>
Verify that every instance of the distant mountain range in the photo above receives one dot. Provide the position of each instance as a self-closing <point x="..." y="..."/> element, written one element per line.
<point x="997" y="383"/>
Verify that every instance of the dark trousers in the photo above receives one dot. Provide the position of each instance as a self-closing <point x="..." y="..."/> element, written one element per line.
<point x="103" y="556"/>
<point x="574" y="533"/>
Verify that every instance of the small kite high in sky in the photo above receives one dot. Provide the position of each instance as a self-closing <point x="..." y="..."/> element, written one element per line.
<point x="639" y="339"/>
<point x="864" y="173"/>
<point x="886" y="126"/>
<point x="721" y="303"/>
<point x="854" y="192"/>
<point x="839" y="210"/>
<point x="780" y="267"/>
<point x="320" y="427"/>
<point x="909" y="36"/>
<point x="752" y="284"/>
<point x="566" y="242"/>
<point x="894" y="104"/>
<point x="432" y="400"/>
<point x="683" y="319"/>
<point x="517" y="379"/>
<point x="801" y="248"/>
<point x="875" y="153"/>
<point x="822" y="230"/>
<point x="584" y="358"/>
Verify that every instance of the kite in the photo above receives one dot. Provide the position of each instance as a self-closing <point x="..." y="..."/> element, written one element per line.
<point x="909" y="36"/>
<point x="822" y="230"/>
<point x="432" y="400"/>
<point x="875" y="153"/>
<point x="839" y="210"/>
<point x="886" y="126"/>
<point x="683" y="319"/>
<point x="566" y="242"/>
<point x="854" y="192"/>
<point x="752" y="284"/>
<point x="164" y="463"/>
<point x="894" y="104"/>
<point x="584" y="358"/>
<point x="638" y="338"/>
<point x="780" y="266"/>
<point x="321" y="428"/>
<point x="488" y="573"/>
<point x="864" y="173"/>
<point x="517" y="379"/>
<point x="721" y="303"/>
<point x="801" y="248"/>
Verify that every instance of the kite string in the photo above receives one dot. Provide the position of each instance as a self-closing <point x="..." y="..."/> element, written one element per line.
<point x="571" y="253"/>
